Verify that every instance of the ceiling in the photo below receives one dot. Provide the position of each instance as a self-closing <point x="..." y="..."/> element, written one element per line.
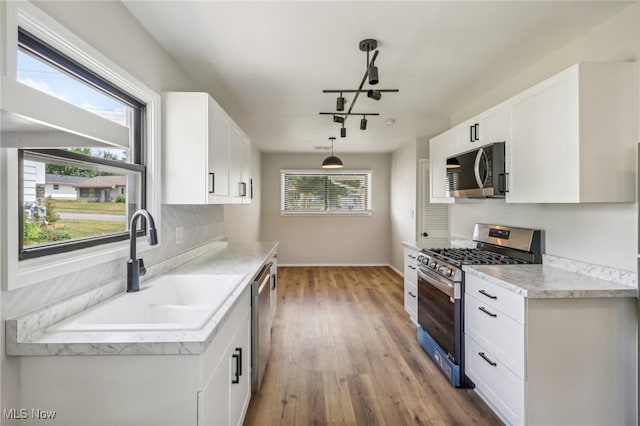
<point x="267" y="62"/>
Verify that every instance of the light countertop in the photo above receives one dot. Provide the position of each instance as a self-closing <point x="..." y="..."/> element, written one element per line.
<point x="543" y="281"/>
<point x="28" y="335"/>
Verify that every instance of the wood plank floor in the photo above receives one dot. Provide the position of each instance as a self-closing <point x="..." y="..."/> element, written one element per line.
<point x="344" y="352"/>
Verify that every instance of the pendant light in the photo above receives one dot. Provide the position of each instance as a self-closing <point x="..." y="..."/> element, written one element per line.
<point x="332" y="162"/>
<point x="453" y="163"/>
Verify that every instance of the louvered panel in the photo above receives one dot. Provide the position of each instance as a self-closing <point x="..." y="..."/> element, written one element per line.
<point x="435" y="217"/>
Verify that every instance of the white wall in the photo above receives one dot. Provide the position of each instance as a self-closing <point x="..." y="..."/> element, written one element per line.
<point x="604" y="234"/>
<point x="109" y="28"/>
<point x="242" y="221"/>
<point x="403" y="201"/>
<point x="327" y="240"/>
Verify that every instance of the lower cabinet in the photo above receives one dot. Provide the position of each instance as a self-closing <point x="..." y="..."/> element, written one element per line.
<point x="551" y="361"/>
<point x="210" y="388"/>
<point x="225" y="397"/>
<point x="411" y="283"/>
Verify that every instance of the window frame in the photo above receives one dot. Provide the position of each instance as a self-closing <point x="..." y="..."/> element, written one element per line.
<point x="367" y="212"/>
<point x="20" y="273"/>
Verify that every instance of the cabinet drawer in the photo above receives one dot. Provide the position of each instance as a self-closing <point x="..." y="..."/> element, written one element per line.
<point x="411" y="273"/>
<point x="499" y="298"/>
<point x="411" y="300"/>
<point x="503" y="390"/>
<point x="499" y="334"/>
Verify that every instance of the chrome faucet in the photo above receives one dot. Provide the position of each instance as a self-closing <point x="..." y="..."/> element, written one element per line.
<point x="135" y="267"/>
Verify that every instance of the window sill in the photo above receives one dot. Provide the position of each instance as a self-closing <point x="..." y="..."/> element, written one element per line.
<point x="328" y="213"/>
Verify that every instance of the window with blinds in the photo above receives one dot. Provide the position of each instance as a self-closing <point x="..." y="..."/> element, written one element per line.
<point x="320" y="192"/>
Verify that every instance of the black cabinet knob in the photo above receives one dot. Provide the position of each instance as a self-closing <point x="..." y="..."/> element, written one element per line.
<point x="425" y="234"/>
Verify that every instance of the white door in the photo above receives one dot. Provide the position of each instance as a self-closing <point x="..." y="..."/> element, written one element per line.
<point x="433" y="229"/>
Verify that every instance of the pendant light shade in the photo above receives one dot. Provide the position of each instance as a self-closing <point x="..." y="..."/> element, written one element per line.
<point x="340" y="103"/>
<point x="453" y="163"/>
<point x="373" y="75"/>
<point x="343" y="132"/>
<point x="363" y="123"/>
<point x="332" y="162"/>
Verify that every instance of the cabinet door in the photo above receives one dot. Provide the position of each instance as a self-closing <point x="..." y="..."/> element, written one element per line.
<point x="235" y="164"/>
<point x="214" y="402"/>
<point x="241" y="391"/>
<point x="218" y="156"/>
<point x="467" y="135"/>
<point x="495" y="125"/>
<point x="439" y="148"/>
<point x="246" y="171"/>
<point x="544" y="146"/>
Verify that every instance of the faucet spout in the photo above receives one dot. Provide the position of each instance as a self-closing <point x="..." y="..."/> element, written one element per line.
<point x="135" y="267"/>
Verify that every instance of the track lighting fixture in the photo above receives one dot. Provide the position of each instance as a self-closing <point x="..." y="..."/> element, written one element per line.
<point x="374" y="94"/>
<point x="371" y="76"/>
<point x="363" y="123"/>
<point x="332" y="162"/>
<point x="340" y="103"/>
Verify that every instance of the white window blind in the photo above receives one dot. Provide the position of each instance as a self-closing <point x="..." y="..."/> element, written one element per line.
<point x="344" y="192"/>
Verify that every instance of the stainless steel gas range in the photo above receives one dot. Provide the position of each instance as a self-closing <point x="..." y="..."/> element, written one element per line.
<point x="441" y="289"/>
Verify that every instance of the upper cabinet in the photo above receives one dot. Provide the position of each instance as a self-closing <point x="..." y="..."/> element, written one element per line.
<point x="206" y="157"/>
<point x="440" y="148"/>
<point x="574" y="136"/>
<point x="569" y="139"/>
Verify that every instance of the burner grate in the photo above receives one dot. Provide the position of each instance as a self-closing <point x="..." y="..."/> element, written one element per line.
<point x="472" y="257"/>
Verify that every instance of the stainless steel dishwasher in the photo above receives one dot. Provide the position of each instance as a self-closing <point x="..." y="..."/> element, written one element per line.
<point x="260" y="325"/>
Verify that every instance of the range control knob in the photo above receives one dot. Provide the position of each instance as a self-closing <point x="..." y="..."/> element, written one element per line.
<point x="432" y="264"/>
<point x="445" y="271"/>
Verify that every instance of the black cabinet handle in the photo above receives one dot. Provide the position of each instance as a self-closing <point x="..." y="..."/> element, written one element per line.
<point x="412" y="267"/>
<point x="239" y="350"/>
<point x="236" y="378"/>
<point x="274" y="281"/>
<point x="490" y="296"/>
<point x="506" y="182"/>
<point x="502" y="183"/>
<point x="213" y="183"/>
<point x="412" y="256"/>
<point x="491" y="314"/>
<point x="471" y="139"/>
<point x="411" y="294"/>
<point x="476" y="128"/>
<point x="483" y="356"/>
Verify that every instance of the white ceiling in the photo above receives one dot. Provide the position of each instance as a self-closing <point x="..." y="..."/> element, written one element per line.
<point x="267" y="62"/>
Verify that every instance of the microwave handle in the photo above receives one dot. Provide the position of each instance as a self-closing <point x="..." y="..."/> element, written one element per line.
<point x="476" y="168"/>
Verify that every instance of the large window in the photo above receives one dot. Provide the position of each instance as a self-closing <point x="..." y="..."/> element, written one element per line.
<point x="103" y="185"/>
<point x="319" y="192"/>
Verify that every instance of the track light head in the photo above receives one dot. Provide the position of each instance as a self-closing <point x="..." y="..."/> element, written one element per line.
<point x="373" y="75"/>
<point x="343" y="132"/>
<point x="340" y="103"/>
<point x="338" y="119"/>
<point x="363" y="123"/>
<point x="374" y="94"/>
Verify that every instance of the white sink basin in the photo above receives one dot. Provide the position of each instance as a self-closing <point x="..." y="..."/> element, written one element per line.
<point x="169" y="302"/>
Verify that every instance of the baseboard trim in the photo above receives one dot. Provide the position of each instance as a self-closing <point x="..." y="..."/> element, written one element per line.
<point x="310" y="265"/>
<point x="396" y="271"/>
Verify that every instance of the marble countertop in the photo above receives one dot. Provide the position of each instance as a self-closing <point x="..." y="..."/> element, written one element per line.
<point x="543" y="281"/>
<point x="28" y="335"/>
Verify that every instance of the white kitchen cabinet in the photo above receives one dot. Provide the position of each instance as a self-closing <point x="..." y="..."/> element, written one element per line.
<point x="240" y="169"/>
<point x="163" y="390"/>
<point x="225" y="397"/>
<point x="440" y="148"/>
<point x="551" y="361"/>
<point x="203" y="151"/>
<point x="411" y="283"/>
<point x="493" y="125"/>
<point x="573" y="137"/>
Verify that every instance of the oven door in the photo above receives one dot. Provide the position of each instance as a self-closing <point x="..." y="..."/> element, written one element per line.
<point x="437" y="310"/>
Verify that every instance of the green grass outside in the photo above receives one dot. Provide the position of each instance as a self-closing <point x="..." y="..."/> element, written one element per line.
<point x="72" y="206"/>
<point x="82" y="228"/>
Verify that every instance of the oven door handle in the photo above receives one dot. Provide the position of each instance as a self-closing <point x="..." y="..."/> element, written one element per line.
<point x="437" y="282"/>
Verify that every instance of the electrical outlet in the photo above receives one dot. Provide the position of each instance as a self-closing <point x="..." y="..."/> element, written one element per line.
<point x="179" y="235"/>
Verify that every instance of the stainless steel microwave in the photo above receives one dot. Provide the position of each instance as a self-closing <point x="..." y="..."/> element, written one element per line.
<point x="477" y="174"/>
